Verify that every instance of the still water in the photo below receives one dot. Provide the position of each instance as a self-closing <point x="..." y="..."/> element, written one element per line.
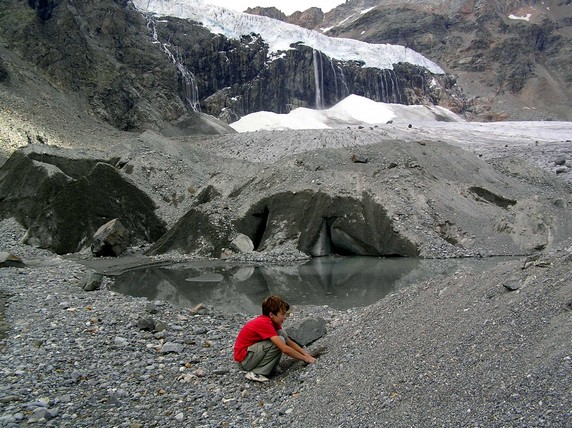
<point x="339" y="282"/>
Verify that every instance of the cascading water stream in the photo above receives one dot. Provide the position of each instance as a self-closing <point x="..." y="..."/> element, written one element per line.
<point x="318" y="79"/>
<point x="345" y="91"/>
<point x="189" y="83"/>
<point x="394" y="87"/>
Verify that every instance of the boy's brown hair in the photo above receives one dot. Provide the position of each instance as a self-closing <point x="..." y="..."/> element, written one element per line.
<point x="274" y="304"/>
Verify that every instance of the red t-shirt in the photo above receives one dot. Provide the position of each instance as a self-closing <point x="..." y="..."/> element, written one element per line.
<point x="256" y="330"/>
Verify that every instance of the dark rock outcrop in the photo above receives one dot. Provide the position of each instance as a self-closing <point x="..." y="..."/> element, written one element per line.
<point x="235" y="78"/>
<point x="63" y="200"/>
<point x="322" y="225"/>
<point x="309" y="18"/>
<point x="317" y="223"/>
<point x="102" y="52"/>
<point x="270" y="12"/>
<point x="206" y="232"/>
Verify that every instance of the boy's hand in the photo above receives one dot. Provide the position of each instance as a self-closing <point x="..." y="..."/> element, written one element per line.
<point x="310" y="360"/>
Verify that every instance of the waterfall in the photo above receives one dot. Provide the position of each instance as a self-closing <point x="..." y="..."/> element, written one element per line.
<point x="342" y="90"/>
<point x="189" y="82"/>
<point x="394" y="87"/>
<point x="336" y="93"/>
<point x="318" y="79"/>
<point x="345" y="87"/>
<point x="384" y="87"/>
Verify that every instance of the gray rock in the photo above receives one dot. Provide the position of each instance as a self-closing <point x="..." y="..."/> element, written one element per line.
<point x="307" y="331"/>
<point x="512" y="285"/>
<point x="172" y="347"/>
<point x="147" y="324"/>
<point x="242" y="244"/>
<point x="9" y="398"/>
<point x="359" y="158"/>
<point x="63" y="195"/>
<point x="91" y="281"/>
<point x="110" y="240"/>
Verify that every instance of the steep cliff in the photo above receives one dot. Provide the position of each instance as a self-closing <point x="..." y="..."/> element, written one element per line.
<point x="236" y="77"/>
<point x="510" y="57"/>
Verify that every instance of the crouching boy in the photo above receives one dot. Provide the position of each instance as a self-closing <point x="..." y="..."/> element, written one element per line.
<point x="262" y="341"/>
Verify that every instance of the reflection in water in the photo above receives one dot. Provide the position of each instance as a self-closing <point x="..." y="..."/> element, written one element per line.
<point x="338" y="282"/>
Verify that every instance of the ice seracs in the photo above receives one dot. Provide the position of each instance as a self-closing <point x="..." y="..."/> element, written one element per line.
<point x="280" y="35"/>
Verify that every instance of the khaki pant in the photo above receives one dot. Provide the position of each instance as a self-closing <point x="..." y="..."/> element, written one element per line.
<point x="263" y="356"/>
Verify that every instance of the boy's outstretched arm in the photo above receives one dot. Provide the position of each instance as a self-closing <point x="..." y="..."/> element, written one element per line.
<point x="292" y="349"/>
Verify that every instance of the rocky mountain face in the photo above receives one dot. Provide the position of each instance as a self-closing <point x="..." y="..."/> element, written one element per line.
<point x="235" y="78"/>
<point x="510" y="57"/>
<point x="310" y="18"/>
<point x="136" y="72"/>
<point x="99" y="54"/>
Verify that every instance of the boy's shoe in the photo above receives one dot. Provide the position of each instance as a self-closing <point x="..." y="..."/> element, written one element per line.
<point x="256" y="377"/>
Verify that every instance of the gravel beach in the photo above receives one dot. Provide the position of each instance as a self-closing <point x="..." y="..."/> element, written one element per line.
<point x="76" y="358"/>
<point x="461" y="350"/>
<point x="465" y="349"/>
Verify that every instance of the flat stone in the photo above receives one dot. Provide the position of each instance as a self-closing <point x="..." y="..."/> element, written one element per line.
<point x="172" y="347"/>
<point x="307" y="331"/>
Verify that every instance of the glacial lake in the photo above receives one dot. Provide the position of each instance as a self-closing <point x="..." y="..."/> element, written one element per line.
<point x="339" y="282"/>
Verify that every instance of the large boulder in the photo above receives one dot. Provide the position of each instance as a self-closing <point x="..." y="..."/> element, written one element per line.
<point x="307" y="330"/>
<point x="111" y="239"/>
<point x="91" y="281"/>
<point x="63" y="197"/>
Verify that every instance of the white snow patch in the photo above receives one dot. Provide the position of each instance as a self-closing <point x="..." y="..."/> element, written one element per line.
<point x="280" y="35"/>
<point x="351" y="111"/>
<point x="521" y="18"/>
